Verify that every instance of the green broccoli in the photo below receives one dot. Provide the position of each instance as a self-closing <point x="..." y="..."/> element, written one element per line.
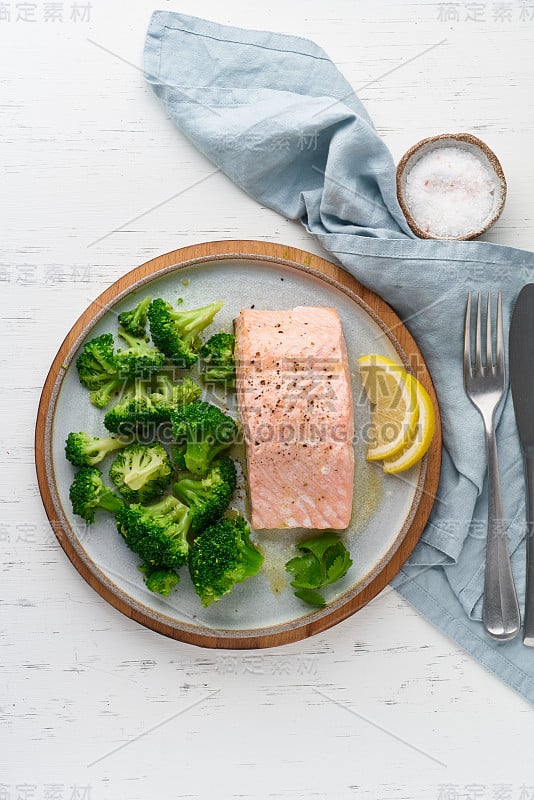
<point x="88" y="492"/>
<point x="139" y="359"/>
<point x="176" y="333"/>
<point x="135" y="411"/>
<point x="159" y="580"/>
<point x="218" y="359"/>
<point x="209" y="497"/>
<point x="170" y="396"/>
<point x="221" y="557"/>
<point x="178" y="456"/>
<point x="144" y="406"/>
<point x="134" y="321"/>
<point x="141" y="472"/>
<point x="325" y="561"/>
<point x="101" y="397"/>
<point x="202" y="432"/>
<point x="98" y="370"/>
<point x="157" y="533"/>
<point x="84" y="450"/>
<point x="96" y="362"/>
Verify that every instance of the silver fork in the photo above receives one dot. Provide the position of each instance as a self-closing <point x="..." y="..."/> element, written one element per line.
<point x="485" y="383"/>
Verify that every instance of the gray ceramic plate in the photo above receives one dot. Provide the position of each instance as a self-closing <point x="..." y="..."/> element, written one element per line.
<point x="387" y="509"/>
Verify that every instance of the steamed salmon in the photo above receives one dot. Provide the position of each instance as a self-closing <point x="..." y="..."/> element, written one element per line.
<point x="295" y="403"/>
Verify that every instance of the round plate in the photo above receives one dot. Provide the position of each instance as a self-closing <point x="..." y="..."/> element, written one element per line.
<point x="390" y="512"/>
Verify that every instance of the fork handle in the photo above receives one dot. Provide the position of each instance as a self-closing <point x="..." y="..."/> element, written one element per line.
<point x="528" y="629"/>
<point x="500" y="612"/>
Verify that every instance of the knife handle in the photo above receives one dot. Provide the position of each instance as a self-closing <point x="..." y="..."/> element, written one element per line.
<point x="500" y="612"/>
<point x="528" y="629"/>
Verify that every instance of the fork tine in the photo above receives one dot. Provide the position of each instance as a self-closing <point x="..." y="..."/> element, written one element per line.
<point x="489" y="336"/>
<point x="478" y="335"/>
<point x="467" y="339"/>
<point x="499" y="347"/>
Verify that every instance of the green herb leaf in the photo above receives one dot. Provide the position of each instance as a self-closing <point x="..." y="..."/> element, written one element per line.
<point x="311" y="597"/>
<point x="338" y="567"/>
<point x="306" y="571"/>
<point x="324" y="561"/>
<point x="318" y="545"/>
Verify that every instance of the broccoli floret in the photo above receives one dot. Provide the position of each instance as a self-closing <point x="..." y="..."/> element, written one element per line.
<point x="134" y="321"/>
<point x="170" y="396"/>
<point x="157" y="533"/>
<point x="143" y="407"/>
<point x="102" y="396"/>
<point x="98" y="371"/>
<point x="135" y="411"/>
<point x="206" y="432"/>
<point x="139" y="359"/>
<point x="218" y="359"/>
<point x="88" y="492"/>
<point x="209" y="497"/>
<point x="159" y="579"/>
<point x="96" y="362"/>
<point x="176" y="333"/>
<point x="178" y="456"/>
<point x="221" y="557"/>
<point x="84" y="450"/>
<point x="141" y="472"/>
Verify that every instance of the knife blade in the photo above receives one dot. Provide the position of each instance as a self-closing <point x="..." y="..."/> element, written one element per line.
<point x="521" y="360"/>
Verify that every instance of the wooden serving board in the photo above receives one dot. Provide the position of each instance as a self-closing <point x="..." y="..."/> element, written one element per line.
<point x="214" y="252"/>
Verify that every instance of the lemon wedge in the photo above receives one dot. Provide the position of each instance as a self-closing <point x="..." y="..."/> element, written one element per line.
<point x="424" y="434"/>
<point x="393" y="394"/>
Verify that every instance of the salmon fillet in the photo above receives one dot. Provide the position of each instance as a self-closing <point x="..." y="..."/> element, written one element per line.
<point x="295" y="403"/>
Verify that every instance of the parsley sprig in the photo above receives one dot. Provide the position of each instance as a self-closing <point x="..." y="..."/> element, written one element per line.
<point x="324" y="561"/>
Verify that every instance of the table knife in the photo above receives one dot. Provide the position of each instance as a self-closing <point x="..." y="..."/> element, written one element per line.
<point x="521" y="357"/>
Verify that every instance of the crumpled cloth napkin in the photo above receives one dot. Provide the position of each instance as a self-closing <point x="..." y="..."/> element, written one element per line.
<point x="275" y="114"/>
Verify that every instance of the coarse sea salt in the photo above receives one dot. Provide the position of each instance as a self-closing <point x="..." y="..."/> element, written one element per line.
<point x="450" y="192"/>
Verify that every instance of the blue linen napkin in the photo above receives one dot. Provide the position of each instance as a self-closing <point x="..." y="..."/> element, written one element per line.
<point x="274" y="113"/>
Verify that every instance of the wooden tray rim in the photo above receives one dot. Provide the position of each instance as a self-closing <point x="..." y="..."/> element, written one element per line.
<point x="197" y="634"/>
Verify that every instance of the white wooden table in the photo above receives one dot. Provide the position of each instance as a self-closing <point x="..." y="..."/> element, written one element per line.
<point x="92" y="705"/>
